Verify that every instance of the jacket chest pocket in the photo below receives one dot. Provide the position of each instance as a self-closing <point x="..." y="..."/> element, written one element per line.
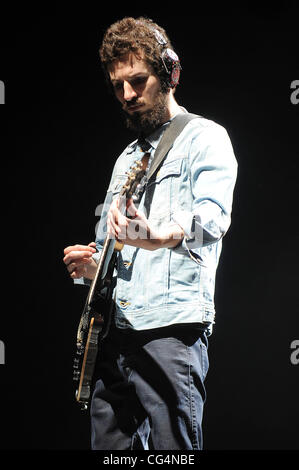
<point x="169" y="169"/>
<point x="159" y="191"/>
<point x="117" y="184"/>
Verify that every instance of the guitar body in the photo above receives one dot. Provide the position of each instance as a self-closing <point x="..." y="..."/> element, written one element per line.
<point x="97" y="313"/>
<point x="88" y="360"/>
<point x="93" y="327"/>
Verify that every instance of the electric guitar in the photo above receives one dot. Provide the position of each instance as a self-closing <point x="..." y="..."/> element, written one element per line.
<point x="96" y="316"/>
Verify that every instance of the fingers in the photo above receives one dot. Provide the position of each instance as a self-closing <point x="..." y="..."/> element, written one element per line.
<point x="78" y="272"/>
<point x="131" y="209"/>
<point x="89" y="247"/>
<point x="112" y="224"/>
<point x="126" y="228"/>
<point x="116" y="221"/>
<point x="134" y="213"/>
<point x="77" y="257"/>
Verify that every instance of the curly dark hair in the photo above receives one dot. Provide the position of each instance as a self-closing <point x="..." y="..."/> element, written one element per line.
<point x="135" y="35"/>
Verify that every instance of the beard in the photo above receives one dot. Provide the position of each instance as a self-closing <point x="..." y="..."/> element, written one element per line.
<point x="146" y="122"/>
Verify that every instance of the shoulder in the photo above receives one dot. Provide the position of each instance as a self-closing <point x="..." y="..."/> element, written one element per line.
<point x="200" y="126"/>
<point x="201" y="134"/>
<point x="207" y="140"/>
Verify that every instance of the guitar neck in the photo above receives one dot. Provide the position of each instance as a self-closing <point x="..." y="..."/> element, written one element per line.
<point x="106" y="254"/>
<point x="110" y="244"/>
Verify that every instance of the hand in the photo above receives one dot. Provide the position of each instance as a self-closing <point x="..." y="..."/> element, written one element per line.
<point x="137" y="231"/>
<point x="79" y="262"/>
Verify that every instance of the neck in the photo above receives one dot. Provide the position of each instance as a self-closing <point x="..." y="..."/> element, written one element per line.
<point x="172" y="107"/>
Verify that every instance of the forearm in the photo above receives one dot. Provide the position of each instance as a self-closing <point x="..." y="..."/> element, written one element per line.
<point x="172" y="236"/>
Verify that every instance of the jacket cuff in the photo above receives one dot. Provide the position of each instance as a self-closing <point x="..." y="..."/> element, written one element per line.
<point x="191" y="224"/>
<point x="185" y="220"/>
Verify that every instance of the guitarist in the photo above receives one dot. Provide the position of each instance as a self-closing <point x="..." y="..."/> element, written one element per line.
<point x="150" y="390"/>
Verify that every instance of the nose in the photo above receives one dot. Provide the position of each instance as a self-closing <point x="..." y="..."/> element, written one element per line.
<point x="129" y="92"/>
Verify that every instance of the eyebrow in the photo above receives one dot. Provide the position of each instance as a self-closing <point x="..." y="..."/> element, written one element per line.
<point x="137" y="75"/>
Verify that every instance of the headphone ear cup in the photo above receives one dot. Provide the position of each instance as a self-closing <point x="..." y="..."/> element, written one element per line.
<point x="172" y="67"/>
<point x="175" y="75"/>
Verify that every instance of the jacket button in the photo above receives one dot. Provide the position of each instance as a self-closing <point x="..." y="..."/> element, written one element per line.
<point x="124" y="303"/>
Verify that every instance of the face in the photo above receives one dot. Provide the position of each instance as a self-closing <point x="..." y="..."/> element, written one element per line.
<point x="138" y="89"/>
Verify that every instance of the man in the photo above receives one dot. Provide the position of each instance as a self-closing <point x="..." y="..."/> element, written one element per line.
<point x="150" y="390"/>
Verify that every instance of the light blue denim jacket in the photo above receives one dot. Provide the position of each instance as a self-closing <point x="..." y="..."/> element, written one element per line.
<point x="193" y="188"/>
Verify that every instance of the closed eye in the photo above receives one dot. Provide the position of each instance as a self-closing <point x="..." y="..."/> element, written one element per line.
<point x="117" y="85"/>
<point x="139" y="81"/>
<point x="134" y="82"/>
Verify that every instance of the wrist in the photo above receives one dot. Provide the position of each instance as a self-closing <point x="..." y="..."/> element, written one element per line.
<point x="90" y="270"/>
<point x="173" y="236"/>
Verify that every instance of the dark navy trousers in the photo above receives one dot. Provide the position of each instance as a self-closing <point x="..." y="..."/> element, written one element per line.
<point x="151" y="393"/>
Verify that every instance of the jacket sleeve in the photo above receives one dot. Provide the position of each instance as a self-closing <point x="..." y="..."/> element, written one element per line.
<point x="213" y="173"/>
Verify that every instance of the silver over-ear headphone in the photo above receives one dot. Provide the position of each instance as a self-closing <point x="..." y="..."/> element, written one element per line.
<point x="170" y="60"/>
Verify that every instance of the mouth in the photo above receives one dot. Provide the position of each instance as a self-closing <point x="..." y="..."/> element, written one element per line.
<point x="133" y="108"/>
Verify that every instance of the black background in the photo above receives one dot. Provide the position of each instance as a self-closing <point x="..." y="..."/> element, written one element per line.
<point x="61" y="132"/>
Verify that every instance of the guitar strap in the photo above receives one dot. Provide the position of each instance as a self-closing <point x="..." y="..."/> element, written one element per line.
<point x="171" y="133"/>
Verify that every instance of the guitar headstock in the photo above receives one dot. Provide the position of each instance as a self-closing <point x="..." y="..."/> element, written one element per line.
<point x="135" y="175"/>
